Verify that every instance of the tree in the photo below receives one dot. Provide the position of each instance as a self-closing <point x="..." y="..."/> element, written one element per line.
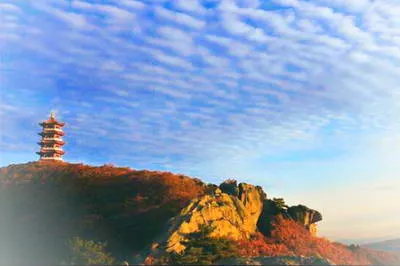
<point x="280" y="203"/>
<point x="203" y="249"/>
<point x="230" y="187"/>
<point x="89" y="252"/>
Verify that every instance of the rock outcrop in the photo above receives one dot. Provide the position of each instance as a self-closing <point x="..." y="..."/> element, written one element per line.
<point x="305" y="216"/>
<point x="231" y="216"/>
<point x="300" y="213"/>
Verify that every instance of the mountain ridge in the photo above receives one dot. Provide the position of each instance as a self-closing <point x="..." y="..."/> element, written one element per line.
<point x="46" y="204"/>
<point x="386" y="245"/>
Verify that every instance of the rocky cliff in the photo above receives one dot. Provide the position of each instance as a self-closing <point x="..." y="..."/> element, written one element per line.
<point x="234" y="211"/>
<point x="305" y="216"/>
<point x="301" y="214"/>
<point x="231" y="216"/>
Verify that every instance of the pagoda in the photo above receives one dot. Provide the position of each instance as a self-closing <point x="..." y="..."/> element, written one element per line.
<point x="51" y="142"/>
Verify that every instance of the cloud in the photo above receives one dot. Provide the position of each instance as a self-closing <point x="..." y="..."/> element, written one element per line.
<point x="9" y="8"/>
<point x="179" y="18"/>
<point x="174" y="39"/>
<point x="132" y="4"/>
<point x="171" y="60"/>
<point x="191" y="6"/>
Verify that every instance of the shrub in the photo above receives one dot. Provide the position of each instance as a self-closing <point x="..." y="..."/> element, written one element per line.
<point x="89" y="252"/>
<point x="230" y="187"/>
<point x="259" y="245"/>
<point x="280" y="203"/>
<point x="203" y="249"/>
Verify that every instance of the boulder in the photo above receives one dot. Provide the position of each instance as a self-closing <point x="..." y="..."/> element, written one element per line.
<point x="305" y="216"/>
<point x="300" y="213"/>
<point x="230" y="216"/>
<point x="252" y="198"/>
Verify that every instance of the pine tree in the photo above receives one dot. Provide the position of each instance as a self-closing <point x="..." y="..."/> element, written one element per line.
<point x="203" y="249"/>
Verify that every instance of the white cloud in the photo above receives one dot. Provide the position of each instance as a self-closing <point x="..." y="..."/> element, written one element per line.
<point x="192" y="6"/>
<point x="132" y="3"/>
<point x="175" y="39"/>
<point x="7" y="7"/>
<point x="171" y="60"/>
<point x="74" y="19"/>
<point x="179" y="18"/>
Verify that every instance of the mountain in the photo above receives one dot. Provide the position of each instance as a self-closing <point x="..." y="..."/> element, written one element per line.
<point x="387" y="245"/>
<point x="45" y="204"/>
<point x="56" y="212"/>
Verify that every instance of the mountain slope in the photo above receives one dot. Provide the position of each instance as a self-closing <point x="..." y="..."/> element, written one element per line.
<point x="43" y="205"/>
<point x="388" y="245"/>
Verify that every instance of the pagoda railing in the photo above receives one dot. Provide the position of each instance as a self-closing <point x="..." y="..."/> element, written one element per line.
<point x="59" y="139"/>
<point x="52" y="129"/>
<point x="51" y="148"/>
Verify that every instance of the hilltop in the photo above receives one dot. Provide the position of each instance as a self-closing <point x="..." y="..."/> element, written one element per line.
<point x="156" y="217"/>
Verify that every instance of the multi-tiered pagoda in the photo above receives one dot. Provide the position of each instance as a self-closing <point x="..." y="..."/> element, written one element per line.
<point x="51" y="143"/>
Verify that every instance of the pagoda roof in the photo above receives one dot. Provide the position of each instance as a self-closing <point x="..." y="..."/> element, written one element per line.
<point x="52" y="133"/>
<point x="58" y="141"/>
<point x="52" y="121"/>
<point x="41" y="152"/>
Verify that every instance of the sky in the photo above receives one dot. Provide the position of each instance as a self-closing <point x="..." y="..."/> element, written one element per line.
<point x="300" y="97"/>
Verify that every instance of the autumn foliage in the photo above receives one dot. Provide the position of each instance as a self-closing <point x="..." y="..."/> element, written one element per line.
<point x="290" y="238"/>
<point x="44" y="204"/>
<point x="49" y="202"/>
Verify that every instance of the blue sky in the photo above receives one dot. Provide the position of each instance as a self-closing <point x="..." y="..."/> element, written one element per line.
<point x="301" y="97"/>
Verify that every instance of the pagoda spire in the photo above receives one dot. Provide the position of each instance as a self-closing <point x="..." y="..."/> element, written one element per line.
<point x="51" y="142"/>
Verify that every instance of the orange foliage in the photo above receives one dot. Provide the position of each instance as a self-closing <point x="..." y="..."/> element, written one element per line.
<point x="129" y="208"/>
<point x="259" y="245"/>
<point x="125" y="207"/>
<point x="297" y="239"/>
<point x="290" y="238"/>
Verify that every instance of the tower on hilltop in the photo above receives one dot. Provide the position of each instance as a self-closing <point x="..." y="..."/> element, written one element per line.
<point x="51" y="142"/>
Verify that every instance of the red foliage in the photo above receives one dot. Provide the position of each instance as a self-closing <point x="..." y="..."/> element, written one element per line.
<point x="296" y="238"/>
<point x="290" y="238"/>
<point x="259" y="245"/>
<point x="125" y="207"/>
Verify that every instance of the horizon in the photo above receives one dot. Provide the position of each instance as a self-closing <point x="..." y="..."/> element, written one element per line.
<point x="299" y="97"/>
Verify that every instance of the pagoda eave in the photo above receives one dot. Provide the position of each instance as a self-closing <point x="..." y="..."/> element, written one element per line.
<point x="51" y="152"/>
<point x="45" y="123"/>
<point x="51" y="133"/>
<point x="52" y="141"/>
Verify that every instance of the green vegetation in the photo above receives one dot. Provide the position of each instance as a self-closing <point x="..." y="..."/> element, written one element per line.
<point x="89" y="252"/>
<point x="279" y="203"/>
<point x="203" y="249"/>
<point x="230" y="187"/>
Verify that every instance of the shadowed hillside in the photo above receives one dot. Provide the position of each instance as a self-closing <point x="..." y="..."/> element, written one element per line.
<point x="47" y="203"/>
